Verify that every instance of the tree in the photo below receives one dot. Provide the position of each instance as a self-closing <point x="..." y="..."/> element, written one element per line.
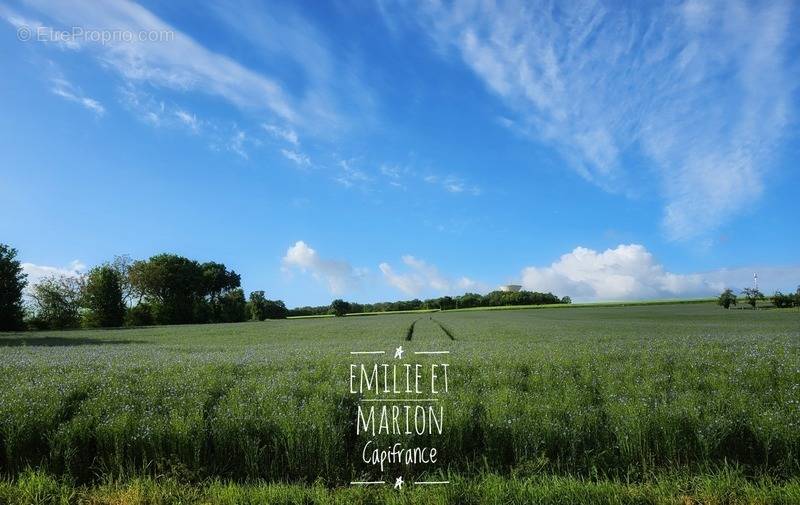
<point x="782" y="301"/>
<point x="566" y="300"/>
<point x="276" y="309"/>
<point x="752" y="295"/>
<point x="139" y="315"/>
<point x="103" y="296"/>
<point x="727" y="298"/>
<point x="258" y="305"/>
<point x="233" y="307"/>
<point x="122" y="265"/>
<point x="56" y="303"/>
<point x="172" y="284"/>
<point x="12" y="283"/>
<point x="339" y="307"/>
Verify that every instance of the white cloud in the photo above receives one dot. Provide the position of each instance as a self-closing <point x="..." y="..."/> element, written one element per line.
<point x="630" y="272"/>
<point x="188" y="119"/>
<point x="176" y="62"/>
<point x="237" y="142"/>
<point x="38" y="272"/>
<point x="286" y="134"/>
<point x="702" y="90"/>
<point x="339" y="276"/>
<point x="626" y="272"/>
<point x="297" y="157"/>
<point x="452" y="184"/>
<point x="332" y="97"/>
<point x="65" y="89"/>
<point x="350" y="176"/>
<point x="422" y="277"/>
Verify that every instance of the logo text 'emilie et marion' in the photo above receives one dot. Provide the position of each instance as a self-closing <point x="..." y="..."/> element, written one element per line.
<point x="398" y="399"/>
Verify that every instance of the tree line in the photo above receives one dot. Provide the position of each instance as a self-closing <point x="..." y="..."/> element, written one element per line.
<point x="467" y="300"/>
<point x="752" y="296"/>
<point x="164" y="289"/>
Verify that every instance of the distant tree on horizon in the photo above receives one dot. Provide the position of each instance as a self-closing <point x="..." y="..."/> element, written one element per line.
<point x="727" y="298"/>
<point x="339" y="307"/>
<point x="752" y="295"/>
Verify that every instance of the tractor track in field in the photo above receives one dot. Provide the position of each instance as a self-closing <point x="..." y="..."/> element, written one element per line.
<point x="410" y="330"/>
<point x="445" y="329"/>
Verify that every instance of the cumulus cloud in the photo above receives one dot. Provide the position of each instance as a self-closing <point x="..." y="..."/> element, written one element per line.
<point x="702" y="90"/>
<point x="38" y="272"/>
<point x="338" y="275"/>
<point x="422" y="277"/>
<point x="626" y="272"/>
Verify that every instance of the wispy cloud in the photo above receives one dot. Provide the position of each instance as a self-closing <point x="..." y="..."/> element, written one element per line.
<point x="350" y="176"/>
<point x="65" y="89"/>
<point x="284" y="133"/>
<point x="339" y="276"/>
<point x="237" y="142"/>
<point x="701" y="90"/>
<point x="421" y="277"/>
<point x="332" y="97"/>
<point x="297" y="157"/>
<point x="453" y="184"/>
<point x="178" y="63"/>
<point x="188" y="119"/>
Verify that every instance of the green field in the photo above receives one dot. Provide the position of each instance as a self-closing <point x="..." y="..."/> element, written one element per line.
<point x="636" y="404"/>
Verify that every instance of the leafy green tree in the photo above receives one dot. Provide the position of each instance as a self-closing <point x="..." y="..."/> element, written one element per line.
<point x="12" y="283"/>
<point x="102" y="295"/>
<point x="782" y="301"/>
<point x="172" y="284"/>
<point x="140" y="314"/>
<point x="258" y="305"/>
<point x="233" y="306"/>
<point x="752" y="295"/>
<point x="122" y="265"/>
<point x="339" y="307"/>
<point x="566" y="300"/>
<point x="56" y="303"/>
<point x="276" y="309"/>
<point x="727" y="298"/>
<point x="470" y="300"/>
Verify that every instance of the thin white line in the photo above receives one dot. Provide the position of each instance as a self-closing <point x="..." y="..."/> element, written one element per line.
<point x="367" y="352"/>
<point x="431" y="352"/>
<point x="399" y="399"/>
<point x="366" y="483"/>
<point x="433" y="482"/>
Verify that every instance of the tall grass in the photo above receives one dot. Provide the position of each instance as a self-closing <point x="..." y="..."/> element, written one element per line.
<point x="605" y="394"/>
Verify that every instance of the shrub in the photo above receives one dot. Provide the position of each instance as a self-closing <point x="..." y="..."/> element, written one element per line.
<point x="727" y="298"/>
<point x="139" y="315"/>
<point x="339" y="307"/>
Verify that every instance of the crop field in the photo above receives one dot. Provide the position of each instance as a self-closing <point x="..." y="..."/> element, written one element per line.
<point x="637" y="404"/>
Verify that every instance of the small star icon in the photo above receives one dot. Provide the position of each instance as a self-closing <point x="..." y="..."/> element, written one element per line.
<point x="398" y="353"/>
<point x="398" y="484"/>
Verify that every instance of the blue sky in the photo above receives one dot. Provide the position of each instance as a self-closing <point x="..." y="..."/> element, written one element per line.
<point x="386" y="150"/>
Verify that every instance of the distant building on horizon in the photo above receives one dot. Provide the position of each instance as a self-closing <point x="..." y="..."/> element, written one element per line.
<point x="510" y="288"/>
